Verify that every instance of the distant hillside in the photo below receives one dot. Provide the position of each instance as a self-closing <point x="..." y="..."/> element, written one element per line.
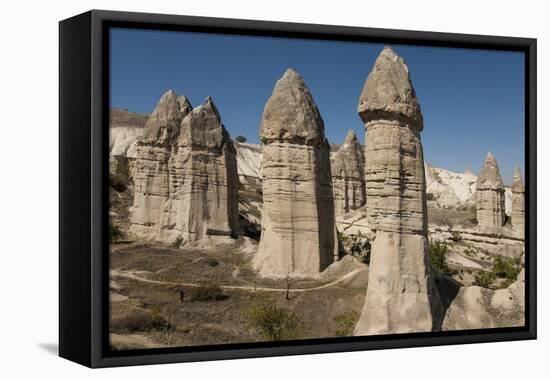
<point x="125" y="118"/>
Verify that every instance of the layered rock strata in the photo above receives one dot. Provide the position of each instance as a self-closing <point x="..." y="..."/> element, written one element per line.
<point x="399" y="288"/>
<point x="298" y="230"/>
<point x="203" y="200"/>
<point x="348" y="175"/>
<point x="490" y="197"/>
<point x="152" y="164"/>
<point x="518" y="204"/>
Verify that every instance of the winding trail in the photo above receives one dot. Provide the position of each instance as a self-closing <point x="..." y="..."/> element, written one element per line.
<point x="134" y="275"/>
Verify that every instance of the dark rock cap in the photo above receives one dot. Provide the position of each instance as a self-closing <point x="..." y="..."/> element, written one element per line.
<point x="489" y="178"/>
<point x="203" y="127"/>
<point x="389" y="93"/>
<point x="291" y="115"/>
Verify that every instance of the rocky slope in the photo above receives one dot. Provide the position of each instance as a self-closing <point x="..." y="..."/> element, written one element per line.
<point x="125" y="128"/>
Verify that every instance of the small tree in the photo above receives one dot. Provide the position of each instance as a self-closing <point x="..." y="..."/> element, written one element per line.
<point x="438" y="256"/>
<point x="241" y="139"/>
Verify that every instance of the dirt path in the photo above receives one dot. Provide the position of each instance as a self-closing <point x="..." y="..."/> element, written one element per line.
<point x="133" y="275"/>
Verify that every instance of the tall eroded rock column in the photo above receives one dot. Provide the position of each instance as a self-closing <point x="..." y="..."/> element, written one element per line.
<point x="298" y="229"/>
<point x="490" y="208"/>
<point x="518" y="204"/>
<point x="399" y="288"/>
<point x="152" y="165"/>
<point x="348" y="175"/>
<point x="203" y="202"/>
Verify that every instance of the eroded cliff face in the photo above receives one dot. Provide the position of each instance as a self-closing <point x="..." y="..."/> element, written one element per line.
<point x="518" y="204"/>
<point x="399" y="288"/>
<point x="152" y="165"/>
<point x="348" y="176"/>
<point x="298" y="230"/>
<point x="490" y="197"/>
<point x="203" y="201"/>
<point x="186" y="178"/>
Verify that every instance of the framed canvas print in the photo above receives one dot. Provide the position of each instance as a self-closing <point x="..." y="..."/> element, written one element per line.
<point x="233" y="188"/>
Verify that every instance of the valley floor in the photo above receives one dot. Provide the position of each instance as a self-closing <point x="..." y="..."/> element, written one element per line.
<point x="165" y="297"/>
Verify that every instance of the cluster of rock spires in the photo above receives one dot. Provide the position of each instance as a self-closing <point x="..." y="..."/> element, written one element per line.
<point x="186" y="190"/>
<point x="490" y="199"/>
<point x="299" y="236"/>
<point x="186" y="174"/>
<point x="398" y="291"/>
<point x="348" y="176"/>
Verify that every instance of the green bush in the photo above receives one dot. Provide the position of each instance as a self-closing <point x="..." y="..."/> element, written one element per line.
<point x="346" y="322"/>
<point x="118" y="183"/>
<point x="456" y="237"/>
<point x="177" y="243"/>
<point x="140" y="320"/>
<point x="114" y="233"/>
<point x="359" y="247"/>
<point x="241" y="139"/>
<point x="273" y="322"/>
<point x="438" y="257"/>
<point x="208" y="293"/>
<point x="484" y="279"/>
<point x="506" y="268"/>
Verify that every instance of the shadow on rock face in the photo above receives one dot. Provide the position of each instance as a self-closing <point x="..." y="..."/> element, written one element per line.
<point x="446" y="290"/>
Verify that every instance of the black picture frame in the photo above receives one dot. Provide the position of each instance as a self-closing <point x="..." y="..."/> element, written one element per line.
<point x="83" y="181"/>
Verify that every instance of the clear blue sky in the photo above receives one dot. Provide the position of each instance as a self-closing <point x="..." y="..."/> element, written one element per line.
<point x="472" y="100"/>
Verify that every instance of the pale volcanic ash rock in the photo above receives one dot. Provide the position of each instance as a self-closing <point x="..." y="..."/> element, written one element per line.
<point x="348" y="175"/>
<point x="298" y="229"/>
<point x="398" y="298"/>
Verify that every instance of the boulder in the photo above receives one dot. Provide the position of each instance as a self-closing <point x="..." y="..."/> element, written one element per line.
<point x="475" y="307"/>
<point x="298" y="230"/>
<point x="490" y="197"/>
<point x="348" y="175"/>
<point x="398" y="298"/>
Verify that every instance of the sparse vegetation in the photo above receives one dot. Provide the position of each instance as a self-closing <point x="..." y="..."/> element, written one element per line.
<point x="438" y="257"/>
<point x="484" y="278"/>
<point x="118" y="183"/>
<point x="115" y="234"/>
<point x="273" y="322"/>
<point x="208" y="293"/>
<point x="358" y="246"/>
<point x="177" y="242"/>
<point x="140" y="320"/>
<point x="503" y="268"/>
<point x="456" y="237"/>
<point x="211" y="262"/>
<point x="506" y="268"/>
<point x="430" y="197"/>
<point x="241" y="139"/>
<point x="346" y="322"/>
